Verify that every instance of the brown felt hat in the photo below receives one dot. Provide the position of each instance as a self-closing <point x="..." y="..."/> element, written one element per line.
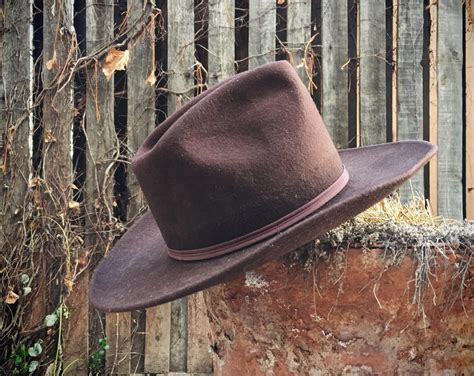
<point x="240" y="175"/>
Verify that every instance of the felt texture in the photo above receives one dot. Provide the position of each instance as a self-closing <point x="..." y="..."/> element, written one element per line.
<point x="239" y="157"/>
<point x="234" y="159"/>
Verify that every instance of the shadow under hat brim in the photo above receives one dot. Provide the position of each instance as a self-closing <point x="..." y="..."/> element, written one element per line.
<point x="138" y="273"/>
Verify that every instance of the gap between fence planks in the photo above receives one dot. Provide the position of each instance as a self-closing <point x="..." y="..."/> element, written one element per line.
<point x="409" y="84"/>
<point x="335" y="106"/>
<point x="372" y="57"/>
<point x="450" y="109"/>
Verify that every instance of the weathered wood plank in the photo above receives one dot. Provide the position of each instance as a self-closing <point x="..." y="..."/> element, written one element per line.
<point x="373" y="117"/>
<point x="180" y="52"/>
<point x="199" y="357"/>
<point x="180" y="86"/>
<point x="15" y="135"/>
<point x="76" y="329"/>
<point x="98" y="190"/>
<point x="57" y="171"/>
<point x="157" y="339"/>
<point x="58" y="106"/>
<point x="469" y="59"/>
<point x="410" y="83"/>
<point x="450" y="107"/>
<point x="16" y="112"/>
<point x="433" y="106"/>
<point x="335" y="107"/>
<point x="221" y="66"/>
<point x="179" y="335"/>
<point x="140" y="122"/>
<point x="298" y="34"/>
<point x="221" y="40"/>
<point x="262" y="29"/>
<point x="118" y="337"/>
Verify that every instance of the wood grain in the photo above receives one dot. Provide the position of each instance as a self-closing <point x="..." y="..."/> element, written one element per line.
<point x="221" y="40"/>
<point x="262" y="29"/>
<point x="469" y="61"/>
<point x="450" y="108"/>
<point x="335" y="109"/>
<point x="180" y="85"/>
<point x="140" y="123"/>
<point x="433" y="106"/>
<point x="157" y="339"/>
<point x="298" y="35"/>
<point x="410" y="83"/>
<point x="372" y="52"/>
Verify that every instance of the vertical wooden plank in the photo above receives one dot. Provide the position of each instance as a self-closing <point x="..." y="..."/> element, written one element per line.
<point x="450" y="107"/>
<point x="16" y="115"/>
<point x="118" y="338"/>
<point x="140" y="122"/>
<point x="199" y="359"/>
<point x="98" y="202"/>
<point x="180" y="86"/>
<point x="394" y="83"/>
<point x="262" y="29"/>
<point x="335" y="55"/>
<point x="58" y="111"/>
<point x="180" y="52"/>
<point x="410" y="83"/>
<point x="58" y="105"/>
<point x="179" y="335"/>
<point x="433" y="106"/>
<point x="372" y="52"/>
<point x="157" y="339"/>
<point x="221" y="40"/>
<point x="469" y="64"/>
<point x="221" y="66"/>
<point x="298" y="34"/>
<point x="76" y="328"/>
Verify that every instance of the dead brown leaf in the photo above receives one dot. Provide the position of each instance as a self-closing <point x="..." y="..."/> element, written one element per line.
<point x="74" y="205"/>
<point x="11" y="297"/>
<point x="151" y="79"/>
<point x="115" y="60"/>
<point x="53" y="62"/>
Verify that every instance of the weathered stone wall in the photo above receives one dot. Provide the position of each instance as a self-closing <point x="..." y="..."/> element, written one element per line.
<point x="347" y="313"/>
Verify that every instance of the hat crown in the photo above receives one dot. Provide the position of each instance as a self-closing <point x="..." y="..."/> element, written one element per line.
<point x="237" y="158"/>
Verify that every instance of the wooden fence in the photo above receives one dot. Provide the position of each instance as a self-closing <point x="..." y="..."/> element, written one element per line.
<point x="378" y="71"/>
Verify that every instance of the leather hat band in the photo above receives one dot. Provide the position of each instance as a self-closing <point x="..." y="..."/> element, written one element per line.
<point x="266" y="231"/>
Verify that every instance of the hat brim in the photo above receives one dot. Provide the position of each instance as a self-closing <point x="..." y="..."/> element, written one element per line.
<point x="138" y="273"/>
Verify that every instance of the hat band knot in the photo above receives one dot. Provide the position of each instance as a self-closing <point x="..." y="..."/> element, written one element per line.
<point x="266" y="231"/>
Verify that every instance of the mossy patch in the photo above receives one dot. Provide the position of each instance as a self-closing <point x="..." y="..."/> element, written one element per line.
<point x="401" y="230"/>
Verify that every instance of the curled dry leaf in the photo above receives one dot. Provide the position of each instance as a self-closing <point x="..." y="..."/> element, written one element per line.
<point x="151" y="79"/>
<point x="74" y="205"/>
<point x="115" y="60"/>
<point x="11" y="297"/>
<point x="53" y="62"/>
<point x="35" y="182"/>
